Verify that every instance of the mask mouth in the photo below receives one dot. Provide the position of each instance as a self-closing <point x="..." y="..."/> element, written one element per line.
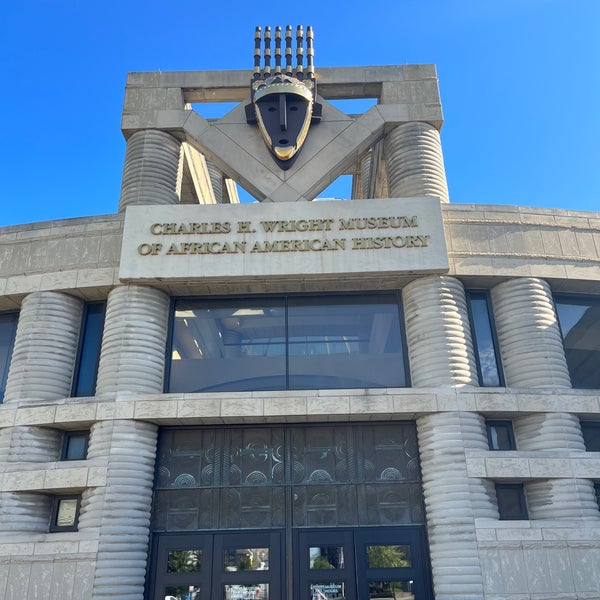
<point x="284" y="152"/>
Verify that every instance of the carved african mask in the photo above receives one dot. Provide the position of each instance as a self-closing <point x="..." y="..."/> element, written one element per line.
<point x="283" y="104"/>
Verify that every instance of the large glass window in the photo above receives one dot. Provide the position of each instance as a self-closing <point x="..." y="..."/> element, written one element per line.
<point x="286" y="343"/>
<point x="484" y="339"/>
<point x="84" y="382"/>
<point x="579" y="319"/>
<point x="8" y="328"/>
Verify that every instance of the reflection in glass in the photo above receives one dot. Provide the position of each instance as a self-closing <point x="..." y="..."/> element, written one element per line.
<point x="332" y="590"/>
<point x="184" y="561"/>
<point x="232" y="345"/>
<point x="89" y="350"/>
<point x="67" y="512"/>
<point x="326" y="557"/>
<point x="386" y="557"/>
<point x="580" y="325"/>
<point x="257" y="591"/>
<point x="246" y="559"/>
<point x="8" y="328"/>
<point x="344" y="342"/>
<point x="483" y="335"/>
<point x="182" y="592"/>
<point x="395" y="590"/>
<point x="286" y="343"/>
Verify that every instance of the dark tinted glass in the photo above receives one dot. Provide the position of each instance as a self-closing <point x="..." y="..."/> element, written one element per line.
<point x="286" y="343"/>
<point x="500" y="435"/>
<point x="8" y="328"/>
<point x="232" y="345"/>
<point x="484" y="339"/>
<point x="591" y="435"/>
<point x="511" y="501"/>
<point x="89" y="350"/>
<point x="75" y="445"/>
<point x="580" y="325"/>
<point x="344" y="343"/>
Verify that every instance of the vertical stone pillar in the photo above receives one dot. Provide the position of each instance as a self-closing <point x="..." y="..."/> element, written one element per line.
<point x="438" y="333"/>
<point x="122" y="509"/>
<point x="41" y="369"/>
<point x="132" y="359"/>
<point x="131" y="362"/>
<point x="216" y="180"/>
<point x="415" y="163"/>
<point x="365" y="174"/>
<point x="45" y="348"/>
<point x="528" y="334"/>
<point x="533" y="357"/>
<point x="452" y="501"/>
<point x="150" y="170"/>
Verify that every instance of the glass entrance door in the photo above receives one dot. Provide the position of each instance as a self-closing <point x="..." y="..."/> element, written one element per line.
<point x="362" y="563"/>
<point x="228" y="566"/>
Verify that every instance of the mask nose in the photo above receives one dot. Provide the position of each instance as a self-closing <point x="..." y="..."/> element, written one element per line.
<point x="282" y="112"/>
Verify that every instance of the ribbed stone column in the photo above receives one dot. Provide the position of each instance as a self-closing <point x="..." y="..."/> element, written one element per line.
<point x="528" y="334"/>
<point x="45" y="347"/>
<point x="453" y="501"/>
<point x="22" y="512"/>
<point x="365" y="174"/>
<point x="216" y="180"/>
<point x="150" y="170"/>
<point x="555" y="498"/>
<point x="438" y="334"/>
<point x="123" y="509"/>
<point x="41" y="370"/>
<point x="132" y="358"/>
<point x="415" y="163"/>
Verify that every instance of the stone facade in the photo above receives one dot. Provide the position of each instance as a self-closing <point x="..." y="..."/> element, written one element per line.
<point x="521" y="255"/>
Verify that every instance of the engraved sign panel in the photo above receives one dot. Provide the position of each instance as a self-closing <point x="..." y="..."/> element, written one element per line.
<point x="310" y="239"/>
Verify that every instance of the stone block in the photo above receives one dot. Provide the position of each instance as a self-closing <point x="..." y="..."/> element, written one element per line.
<point x="513" y="570"/>
<point x="65" y="479"/>
<point x="339" y="405"/>
<point x="96" y="476"/>
<point x="78" y="415"/>
<point x="199" y="408"/>
<point x="84" y="579"/>
<point x="17" y="582"/>
<point x="550" y="467"/>
<point x="35" y="415"/>
<point x="63" y="580"/>
<point x="285" y="406"/>
<point x="373" y="407"/>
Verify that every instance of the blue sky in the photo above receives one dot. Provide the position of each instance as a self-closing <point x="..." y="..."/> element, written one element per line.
<point x="519" y="81"/>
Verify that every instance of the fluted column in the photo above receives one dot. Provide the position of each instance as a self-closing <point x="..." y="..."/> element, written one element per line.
<point x="41" y="369"/>
<point x="216" y="180"/>
<point x="45" y="347"/>
<point x="365" y="174"/>
<point x="122" y="508"/>
<point x="132" y="358"/>
<point x="150" y="170"/>
<point x="555" y="498"/>
<point x="528" y="334"/>
<point x="438" y="334"/>
<point x="415" y="163"/>
<point x="453" y="500"/>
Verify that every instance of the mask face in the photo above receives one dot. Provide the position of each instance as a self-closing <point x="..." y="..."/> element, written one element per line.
<point x="283" y="112"/>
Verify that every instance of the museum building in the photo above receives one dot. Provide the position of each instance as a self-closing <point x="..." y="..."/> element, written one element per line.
<point x="383" y="396"/>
